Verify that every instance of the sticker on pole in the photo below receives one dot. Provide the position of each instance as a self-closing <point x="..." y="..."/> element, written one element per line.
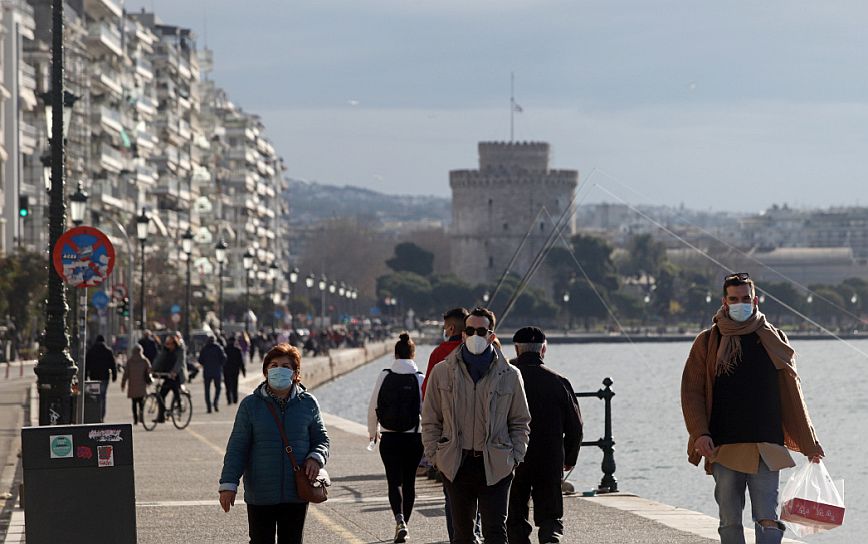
<point x="83" y="257"/>
<point x="60" y="446"/>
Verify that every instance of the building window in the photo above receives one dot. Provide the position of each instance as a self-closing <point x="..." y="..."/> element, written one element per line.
<point x="542" y="226"/>
<point x="491" y="262"/>
<point x="506" y="226"/>
<point x="490" y="202"/>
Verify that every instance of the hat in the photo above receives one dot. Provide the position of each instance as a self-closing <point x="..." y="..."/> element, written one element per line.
<point x="529" y="335"/>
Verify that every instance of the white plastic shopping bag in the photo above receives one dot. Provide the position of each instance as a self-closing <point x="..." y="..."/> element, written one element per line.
<point x="810" y="502"/>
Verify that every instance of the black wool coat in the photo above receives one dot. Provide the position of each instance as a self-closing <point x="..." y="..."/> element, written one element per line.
<point x="556" y="421"/>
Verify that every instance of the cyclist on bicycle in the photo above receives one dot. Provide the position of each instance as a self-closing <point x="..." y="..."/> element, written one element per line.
<point x="173" y="360"/>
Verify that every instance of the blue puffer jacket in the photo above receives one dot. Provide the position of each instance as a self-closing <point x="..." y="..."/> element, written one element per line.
<point x="256" y="450"/>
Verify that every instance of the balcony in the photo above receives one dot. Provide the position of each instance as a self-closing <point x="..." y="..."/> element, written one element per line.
<point x="105" y="36"/>
<point x="107" y="79"/>
<point x="109" y="119"/>
<point x="144" y="68"/>
<point x="146" y="105"/>
<point x="102" y="8"/>
<point x="28" y="138"/>
<point x="111" y="159"/>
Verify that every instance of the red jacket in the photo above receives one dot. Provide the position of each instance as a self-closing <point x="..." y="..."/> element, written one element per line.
<point x="439" y="354"/>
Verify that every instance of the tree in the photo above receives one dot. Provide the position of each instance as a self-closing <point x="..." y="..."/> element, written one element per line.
<point x="779" y="295"/>
<point x="450" y="292"/>
<point x="411" y="258"/>
<point x="349" y="251"/>
<point x="411" y="290"/>
<point x="645" y="256"/>
<point x="586" y="304"/>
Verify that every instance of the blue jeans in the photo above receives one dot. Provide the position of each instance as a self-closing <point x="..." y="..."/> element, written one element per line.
<point x="729" y="494"/>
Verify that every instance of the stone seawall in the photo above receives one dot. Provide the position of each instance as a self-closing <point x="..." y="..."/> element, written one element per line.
<point x="319" y="370"/>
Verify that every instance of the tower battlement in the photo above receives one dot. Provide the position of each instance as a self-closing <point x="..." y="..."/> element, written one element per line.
<point x="532" y="156"/>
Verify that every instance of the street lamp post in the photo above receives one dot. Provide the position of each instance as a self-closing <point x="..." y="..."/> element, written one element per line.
<point x="247" y="261"/>
<point x="142" y="223"/>
<point x="187" y="248"/>
<point x="220" y="251"/>
<point x="274" y="272"/>
<point x="323" y="284"/>
<point x="55" y="368"/>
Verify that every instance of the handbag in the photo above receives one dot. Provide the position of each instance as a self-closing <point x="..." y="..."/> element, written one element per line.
<point x="315" y="491"/>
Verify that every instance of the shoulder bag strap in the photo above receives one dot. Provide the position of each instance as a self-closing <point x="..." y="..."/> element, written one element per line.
<point x="286" y="447"/>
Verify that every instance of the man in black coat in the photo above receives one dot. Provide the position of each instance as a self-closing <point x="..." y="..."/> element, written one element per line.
<point x="212" y="358"/>
<point x="150" y="346"/>
<point x="555" y="438"/>
<point x="234" y="365"/>
<point x="99" y="364"/>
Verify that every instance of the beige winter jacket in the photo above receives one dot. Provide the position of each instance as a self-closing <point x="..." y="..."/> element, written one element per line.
<point x="502" y="421"/>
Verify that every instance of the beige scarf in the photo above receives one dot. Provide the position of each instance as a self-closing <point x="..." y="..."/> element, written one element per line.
<point x="729" y="351"/>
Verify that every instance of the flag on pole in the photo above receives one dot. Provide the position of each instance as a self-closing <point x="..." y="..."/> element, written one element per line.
<point x="516" y="108"/>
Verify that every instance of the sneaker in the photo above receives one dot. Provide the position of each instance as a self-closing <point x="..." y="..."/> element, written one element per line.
<point x="401" y="532"/>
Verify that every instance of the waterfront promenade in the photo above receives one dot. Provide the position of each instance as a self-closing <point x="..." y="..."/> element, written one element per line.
<point x="177" y="473"/>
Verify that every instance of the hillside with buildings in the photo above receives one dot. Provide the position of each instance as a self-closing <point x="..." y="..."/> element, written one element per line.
<point x="312" y="202"/>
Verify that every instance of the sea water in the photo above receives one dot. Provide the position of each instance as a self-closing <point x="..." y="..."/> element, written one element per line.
<point x="651" y="441"/>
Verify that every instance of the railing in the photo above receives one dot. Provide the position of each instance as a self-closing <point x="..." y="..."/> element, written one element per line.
<point x="608" y="484"/>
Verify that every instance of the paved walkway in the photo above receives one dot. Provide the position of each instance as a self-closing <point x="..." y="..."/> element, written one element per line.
<point x="177" y="476"/>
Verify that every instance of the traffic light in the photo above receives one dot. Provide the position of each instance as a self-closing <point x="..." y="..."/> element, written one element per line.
<point x="124" y="307"/>
<point x="23" y="206"/>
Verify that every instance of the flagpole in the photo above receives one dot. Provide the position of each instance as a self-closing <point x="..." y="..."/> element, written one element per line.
<point x="511" y="106"/>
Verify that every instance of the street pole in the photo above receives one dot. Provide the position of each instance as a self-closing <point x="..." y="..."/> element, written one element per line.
<point x="55" y="368"/>
<point x="187" y="303"/>
<point x="220" y="303"/>
<point x="142" y="294"/>
<point x="247" y="301"/>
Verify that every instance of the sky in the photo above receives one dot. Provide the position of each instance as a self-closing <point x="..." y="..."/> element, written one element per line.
<point x="714" y="105"/>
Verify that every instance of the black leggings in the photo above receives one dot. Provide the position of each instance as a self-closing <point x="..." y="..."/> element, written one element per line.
<point x="401" y="453"/>
<point x="138" y="408"/>
<point x="287" y="518"/>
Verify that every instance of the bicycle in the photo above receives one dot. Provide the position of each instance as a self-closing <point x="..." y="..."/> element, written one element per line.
<point x="180" y="410"/>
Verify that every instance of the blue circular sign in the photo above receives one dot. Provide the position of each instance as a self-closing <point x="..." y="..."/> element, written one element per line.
<point x="99" y="300"/>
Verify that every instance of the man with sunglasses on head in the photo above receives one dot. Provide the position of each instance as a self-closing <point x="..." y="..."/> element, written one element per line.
<point x="744" y="410"/>
<point x="475" y="429"/>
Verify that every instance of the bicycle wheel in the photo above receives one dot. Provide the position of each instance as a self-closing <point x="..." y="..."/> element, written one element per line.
<point x="182" y="410"/>
<point x="151" y="412"/>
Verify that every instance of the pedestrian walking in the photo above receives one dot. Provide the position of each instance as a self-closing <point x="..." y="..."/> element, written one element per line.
<point x="234" y="366"/>
<point x="100" y="364"/>
<point x="744" y="410"/>
<point x="255" y="450"/>
<point x="151" y="345"/>
<point x="395" y="407"/>
<point x="475" y="426"/>
<point x="212" y="358"/>
<point x="453" y="325"/>
<point x="555" y="438"/>
<point x="137" y="376"/>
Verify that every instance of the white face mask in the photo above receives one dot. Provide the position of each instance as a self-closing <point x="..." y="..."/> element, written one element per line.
<point x="741" y="311"/>
<point x="445" y="336"/>
<point x="476" y="344"/>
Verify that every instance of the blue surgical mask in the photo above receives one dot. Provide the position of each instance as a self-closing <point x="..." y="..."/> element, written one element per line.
<point x="741" y="311"/>
<point x="280" y="377"/>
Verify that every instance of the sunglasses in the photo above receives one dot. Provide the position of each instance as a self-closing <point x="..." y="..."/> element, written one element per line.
<point x="481" y="331"/>
<point x="741" y="276"/>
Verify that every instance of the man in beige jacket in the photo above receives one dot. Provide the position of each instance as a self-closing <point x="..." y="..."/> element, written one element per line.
<point x="475" y="429"/>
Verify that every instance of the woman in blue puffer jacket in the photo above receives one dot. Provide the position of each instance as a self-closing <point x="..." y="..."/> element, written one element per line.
<point x="255" y="450"/>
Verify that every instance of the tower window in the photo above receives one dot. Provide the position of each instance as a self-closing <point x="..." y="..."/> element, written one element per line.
<point x="491" y="262"/>
<point x="506" y="226"/>
<point x="490" y="202"/>
<point x="542" y="226"/>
